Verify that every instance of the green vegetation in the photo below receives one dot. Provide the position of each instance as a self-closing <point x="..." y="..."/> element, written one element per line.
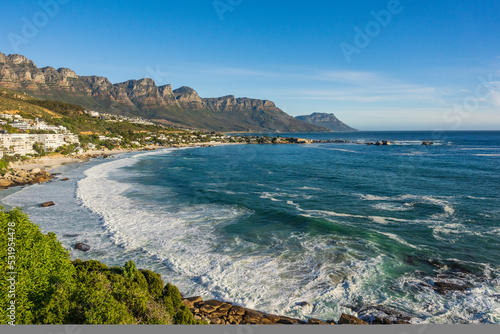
<point x="57" y="106"/>
<point x="51" y="289"/>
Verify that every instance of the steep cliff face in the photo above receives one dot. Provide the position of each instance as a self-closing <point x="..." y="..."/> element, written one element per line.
<point x="328" y="121"/>
<point x="182" y="106"/>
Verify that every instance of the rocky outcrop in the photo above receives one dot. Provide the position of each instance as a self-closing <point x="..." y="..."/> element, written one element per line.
<point x="182" y="107"/>
<point x="329" y="121"/>
<point x="222" y="313"/>
<point x="20" y="177"/>
<point x="47" y="204"/>
<point x="225" y="313"/>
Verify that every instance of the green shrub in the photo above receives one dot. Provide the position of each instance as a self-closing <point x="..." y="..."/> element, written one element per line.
<point x="53" y="290"/>
<point x="155" y="283"/>
<point x="42" y="264"/>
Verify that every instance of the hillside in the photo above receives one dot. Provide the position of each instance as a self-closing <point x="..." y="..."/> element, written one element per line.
<point x="329" y="121"/>
<point x="182" y="106"/>
<point x="12" y="102"/>
<point x="65" y="114"/>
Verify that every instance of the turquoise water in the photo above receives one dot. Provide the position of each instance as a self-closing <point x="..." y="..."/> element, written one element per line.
<point x="370" y="230"/>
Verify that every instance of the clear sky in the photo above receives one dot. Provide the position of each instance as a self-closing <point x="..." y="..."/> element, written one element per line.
<point x="427" y="65"/>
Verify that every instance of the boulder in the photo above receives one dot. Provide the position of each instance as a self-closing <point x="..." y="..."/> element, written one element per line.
<point x="214" y="303"/>
<point x="47" y="204"/>
<point x="82" y="247"/>
<point x="313" y="321"/>
<point x="218" y="313"/>
<point x="35" y="170"/>
<point x="381" y="321"/>
<point x="195" y="299"/>
<point x="215" y="321"/>
<point x="288" y="321"/>
<point x="252" y="317"/>
<point x="225" y="307"/>
<point x="65" y="179"/>
<point x="237" y="310"/>
<point x="207" y="308"/>
<point x="4" y="183"/>
<point x="427" y="143"/>
<point x="273" y="318"/>
<point x="187" y="303"/>
<point x="346" y="319"/>
<point x="42" y="177"/>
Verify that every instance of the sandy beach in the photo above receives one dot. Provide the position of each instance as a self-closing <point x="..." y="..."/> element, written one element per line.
<point x="54" y="161"/>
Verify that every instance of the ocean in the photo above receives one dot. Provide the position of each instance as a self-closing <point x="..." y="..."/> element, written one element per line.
<point x="366" y="230"/>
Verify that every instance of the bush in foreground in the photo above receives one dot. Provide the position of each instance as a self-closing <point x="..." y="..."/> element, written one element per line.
<point x="51" y="289"/>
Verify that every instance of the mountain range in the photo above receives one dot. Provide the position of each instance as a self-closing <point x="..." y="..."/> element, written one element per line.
<point x="180" y="107"/>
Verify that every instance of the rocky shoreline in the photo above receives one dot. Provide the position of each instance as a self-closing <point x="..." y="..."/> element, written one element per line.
<point x="20" y="177"/>
<point x="216" y="312"/>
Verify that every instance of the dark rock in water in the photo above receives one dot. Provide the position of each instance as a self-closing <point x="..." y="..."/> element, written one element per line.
<point x="381" y="321"/>
<point x="427" y="143"/>
<point x="380" y="314"/>
<point x="346" y="319"/>
<point x="445" y="287"/>
<point x="383" y="143"/>
<point x="47" y="204"/>
<point x="82" y="247"/>
<point x="65" y="179"/>
<point x="70" y="235"/>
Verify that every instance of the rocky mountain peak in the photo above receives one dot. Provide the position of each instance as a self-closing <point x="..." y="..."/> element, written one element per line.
<point x="188" y="98"/>
<point x="3" y="58"/>
<point x="66" y="72"/>
<point x="20" y="60"/>
<point x="329" y="121"/>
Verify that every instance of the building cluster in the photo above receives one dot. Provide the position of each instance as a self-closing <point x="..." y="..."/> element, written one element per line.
<point x="24" y="143"/>
<point x="118" y="118"/>
<point x="38" y="124"/>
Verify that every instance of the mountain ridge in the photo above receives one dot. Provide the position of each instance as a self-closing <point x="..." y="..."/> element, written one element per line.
<point x="326" y="120"/>
<point x="182" y="106"/>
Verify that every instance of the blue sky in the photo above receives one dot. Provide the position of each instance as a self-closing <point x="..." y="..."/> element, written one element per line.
<point x="429" y="65"/>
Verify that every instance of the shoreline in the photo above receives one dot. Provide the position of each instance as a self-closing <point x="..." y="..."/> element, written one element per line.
<point x="49" y="163"/>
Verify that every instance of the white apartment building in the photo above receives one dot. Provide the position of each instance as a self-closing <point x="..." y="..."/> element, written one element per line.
<point x="18" y="143"/>
<point x="52" y="142"/>
<point x="71" y="139"/>
<point x="22" y="143"/>
<point x="21" y="125"/>
<point x="8" y="117"/>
